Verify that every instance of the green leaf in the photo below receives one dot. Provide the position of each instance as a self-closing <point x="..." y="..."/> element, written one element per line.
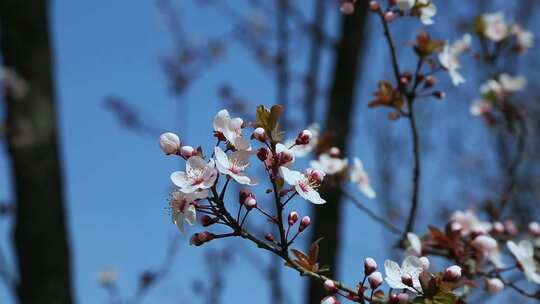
<point x="445" y="298"/>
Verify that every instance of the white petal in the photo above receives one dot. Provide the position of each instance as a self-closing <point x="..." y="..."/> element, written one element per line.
<point x="180" y="179"/>
<point x="195" y="162"/>
<point x="416" y="243"/>
<point x="393" y="274"/>
<point x="526" y="248"/>
<point x="190" y="215"/>
<point x="313" y="196"/>
<point x="220" y="120"/>
<point x="243" y="179"/>
<point x="290" y="176"/>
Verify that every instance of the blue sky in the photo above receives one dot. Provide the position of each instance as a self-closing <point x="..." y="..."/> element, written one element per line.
<point x="117" y="181"/>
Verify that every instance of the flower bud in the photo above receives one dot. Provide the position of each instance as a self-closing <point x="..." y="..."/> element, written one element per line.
<point x="456" y="227"/>
<point x="330" y="300"/>
<point x="262" y="154"/>
<point x="534" y="229"/>
<point x="511" y="227"/>
<point x="206" y="220"/>
<point x="375" y="280"/>
<point x="334" y="152"/>
<point x="198" y="239"/>
<point x="498" y="227"/>
<point x="304" y="223"/>
<point x="250" y="202"/>
<point x="303" y="137"/>
<point x="347" y="8"/>
<point x="243" y="195"/>
<point x="439" y="94"/>
<point x="286" y="157"/>
<point x="187" y="151"/>
<point x="494" y="285"/>
<point x="425" y="263"/>
<point x="430" y="81"/>
<point x="389" y="17"/>
<point x="484" y="244"/>
<point x="259" y="134"/>
<point x="293" y="218"/>
<point x="393" y="299"/>
<point x="407" y="279"/>
<point x="374" y="6"/>
<point x="169" y="143"/>
<point x="370" y="266"/>
<point x="404" y="80"/>
<point x="452" y="273"/>
<point x="269" y="237"/>
<point x="330" y="286"/>
<point x="403" y="298"/>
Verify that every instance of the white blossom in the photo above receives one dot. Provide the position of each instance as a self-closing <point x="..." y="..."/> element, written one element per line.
<point x="182" y="208"/>
<point x="480" y="107"/>
<point x="234" y="165"/>
<point x="524" y="255"/>
<point x="231" y="128"/>
<point x="495" y="26"/>
<point x="405" y="5"/>
<point x="449" y="58"/>
<point x="470" y="222"/>
<point x="524" y="38"/>
<point x="199" y="175"/>
<point x="303" y="185"/>
<point x="428" y="10"/>
<point x="303" y="150"/>
<point x="415" y="247"/>
<point x="411" y="266"/>
<point x="328" y="164"/>
<point x="360" y="177"/>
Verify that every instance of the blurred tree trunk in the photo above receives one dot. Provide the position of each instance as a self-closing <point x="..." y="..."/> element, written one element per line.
<point x="41" y="243"/>
<point x="339" y="116"/>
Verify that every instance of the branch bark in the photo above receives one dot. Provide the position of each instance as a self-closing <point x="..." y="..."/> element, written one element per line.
<point x="339" y="116"/>
<point x="41" y="241"/>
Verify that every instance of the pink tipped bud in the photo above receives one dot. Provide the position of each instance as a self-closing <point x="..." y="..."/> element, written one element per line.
<point x="206" y="220"/>
<point x="187" y="151"/>
<point x="330" y="286"/>
<point x="425" y="263"/>
<point x="430" y="81"/>
<point x="269" y="237"/>
<point x="439" y="94"/>
<point x="452" y="273"/>
<point x="330" y="300"/>
<point x="456" y="227"/>
<point x="169" y="143"/>
<point x="485" y="244"/>
<point x="262" y="154"/>
<point x="404" y="80"/>
<point x="534" y="229"/>
<point x="370" y="266"/>
<point x="511" y="227"/>
<point x="347" y="8"/>
<point x="374" y="6"/>
<point x="259" y="134"/>
<point x="393" y="299"/>
<point x="498" y="227"/>
<point x="286" y="157"/>
<point x="304" y="223"/>
<point x="375" y="280"/>
<point x="200" y="238"/>
<point x="407" y="279"/>
<point x="293" y="218"/>
<point x="250" y="202"/>
<point x="403" y="298"/>
<point x="334" y="152"/>
<point x="243" y="195"/>
<point x="494" y="285"/>
<point x="315" y="176"/>
<point x="304" y="137"/>
<point x="389" y="17"/>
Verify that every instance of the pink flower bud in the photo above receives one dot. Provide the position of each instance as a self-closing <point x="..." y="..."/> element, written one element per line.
<point x="511" y="227"/>
<point x="498" y="227"/>
<point x="187" y="151"/>
<point x="198" y="239"/>
<point x="494" y="285"/>
<point x="169" y="143"/>
<point x="269" y="237"/>
<point x="206" y="220"/>
<point x="304" y="223"/>
<point x="425" y="263"/>
<point x="393" y="299"/>
<point x="250" y="202"/>
<point x="534" y="229"/>
<point x="452" y="273"/>
<point x="456" y="227"/>
<point x="439" y="94"/>
<point x="485" y="244"/>
<point x="330" y="286"/>
<point x="347" y="8"/>
<point x="286" y="157"/>
<point x="243" y="195"/>
<point x="259" y="134"/>
<point x="389" y="17"/>
<point x="334" y="152"/>
<point x="430" y="81"/>
<point x="293" y="218"/>
<point x="407" y="279"/>
<point x="330" y="300"/>
<point x="304" y="137"/>
<point x="374" y="6"/>
<point x="403" y="298"/>
<point x="370" y="266"/>
<point x="262" y="154"/>
<point x="375" y="280"/>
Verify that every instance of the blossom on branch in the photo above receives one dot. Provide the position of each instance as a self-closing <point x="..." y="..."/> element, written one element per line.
<point x="523" y="252"/>
<point x="199" y="175"/>
<point x="231" y="130"/>
<point x="360" y="177"/>
<point x="182" y="208"/>
<point x="234" y="165"/>
<point x="449" y="58"/>
<point x="410" y="268"/>
<point x="303" y="185"/>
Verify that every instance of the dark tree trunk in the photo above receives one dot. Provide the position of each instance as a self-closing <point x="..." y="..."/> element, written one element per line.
<point x="338" y="120"/>
<point x="40" y="229"/>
